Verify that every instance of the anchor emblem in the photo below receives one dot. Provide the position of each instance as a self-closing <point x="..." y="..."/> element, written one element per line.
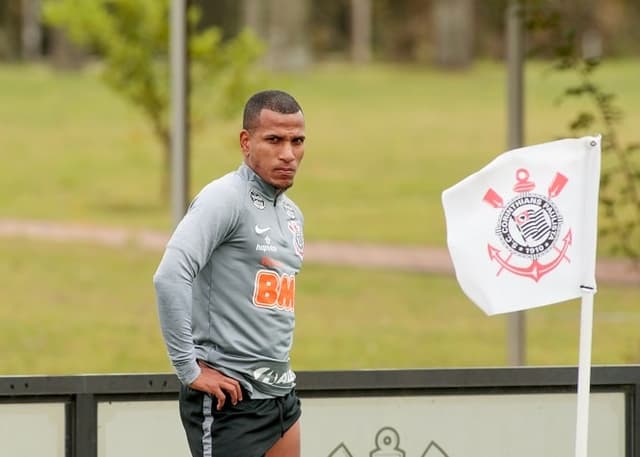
<point x="529" y="227"/>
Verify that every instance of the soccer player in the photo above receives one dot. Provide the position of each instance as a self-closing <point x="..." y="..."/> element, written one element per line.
<point x="225" y="289"/>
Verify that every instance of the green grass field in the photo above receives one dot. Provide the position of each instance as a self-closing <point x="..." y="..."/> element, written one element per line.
<point x="87" y="309"/>
<point x="383" y="144"/>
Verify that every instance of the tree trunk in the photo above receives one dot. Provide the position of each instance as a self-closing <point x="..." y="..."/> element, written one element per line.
<point x="31" y="30"/>
<point x="10" y="29"/>
<point x="63" y="53"/>
<point x="361" y="31"/>
<point x="165" y="179"/>
<point x="453" y="26"/>
<point x="252" y="16"/>
<point x="288" y="35"/>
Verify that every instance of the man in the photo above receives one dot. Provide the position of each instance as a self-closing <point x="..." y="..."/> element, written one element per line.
<point x="226" y="294"/>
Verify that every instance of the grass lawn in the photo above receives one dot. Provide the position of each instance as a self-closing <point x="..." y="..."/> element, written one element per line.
<point x="383" y="143"/>
<point x="87" y="309"/>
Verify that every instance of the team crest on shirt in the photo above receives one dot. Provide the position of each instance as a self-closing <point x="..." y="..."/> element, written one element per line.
<point x="289" y="211"/>
<point x="257" y="199"/>
<point x="298" y="238"/>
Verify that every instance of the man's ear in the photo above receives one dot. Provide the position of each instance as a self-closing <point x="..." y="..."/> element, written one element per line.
<point x="244" y="142"/>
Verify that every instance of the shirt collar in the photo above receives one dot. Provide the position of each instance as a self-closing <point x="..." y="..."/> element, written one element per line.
<point x="269" y="191"/>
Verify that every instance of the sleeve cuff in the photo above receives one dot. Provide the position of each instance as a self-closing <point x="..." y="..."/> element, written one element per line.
<point x="188" y="373"/>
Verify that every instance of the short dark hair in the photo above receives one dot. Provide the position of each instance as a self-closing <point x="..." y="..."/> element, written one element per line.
<point x="273" y="100"/>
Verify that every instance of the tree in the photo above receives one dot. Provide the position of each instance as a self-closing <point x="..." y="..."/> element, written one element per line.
<point x="132" y="38"/>
<point x="361" y="30"/>
<point x="252" y="16"/>
<point x="619" y="223"/>
<point x="401" y="29"/>
<point x="10" y="13"/>
<point x="31" y="30"/>
<point x="284" y="26"/>
<point x="453" y="25"/>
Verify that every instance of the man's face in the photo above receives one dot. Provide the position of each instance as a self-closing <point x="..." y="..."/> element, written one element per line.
<point x="274" y="147"/>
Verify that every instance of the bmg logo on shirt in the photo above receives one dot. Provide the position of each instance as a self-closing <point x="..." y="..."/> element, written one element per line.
<point x="274" y="291"/>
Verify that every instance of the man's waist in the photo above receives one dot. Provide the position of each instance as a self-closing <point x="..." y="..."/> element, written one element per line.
<point x="269" y="376"/>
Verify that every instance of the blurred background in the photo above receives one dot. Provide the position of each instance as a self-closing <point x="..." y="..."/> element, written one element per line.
<point x="402" y="99"/>
<point x="447" y="33"/>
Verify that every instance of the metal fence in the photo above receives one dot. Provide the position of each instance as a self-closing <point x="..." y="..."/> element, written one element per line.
<point x="450" y="411"/>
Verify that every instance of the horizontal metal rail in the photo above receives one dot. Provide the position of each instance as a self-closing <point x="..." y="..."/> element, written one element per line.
<point x="82" y="393"/>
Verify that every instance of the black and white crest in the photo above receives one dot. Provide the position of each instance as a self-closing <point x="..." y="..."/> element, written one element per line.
<point x="298" y="238"/>
<point x="257" y="199"/>
<point x="529" y="225"/>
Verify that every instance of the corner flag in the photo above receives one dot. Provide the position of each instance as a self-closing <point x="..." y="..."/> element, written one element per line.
<point x="522" y="231"/>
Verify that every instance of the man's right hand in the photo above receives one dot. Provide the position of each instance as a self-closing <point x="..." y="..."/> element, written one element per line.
<point x="215" y="383"/>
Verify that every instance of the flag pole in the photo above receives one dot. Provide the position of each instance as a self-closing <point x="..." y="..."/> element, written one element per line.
<point x="584" y="372"/>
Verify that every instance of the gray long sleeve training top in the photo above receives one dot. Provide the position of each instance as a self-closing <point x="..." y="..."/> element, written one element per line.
<point x="225" y="286"/>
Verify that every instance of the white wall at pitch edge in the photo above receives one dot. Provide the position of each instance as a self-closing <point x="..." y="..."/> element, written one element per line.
<point x="522" y="425"/>
<point x="140" y="428"/>
<point x="32" y="429"/>
<point x="530" y="425"/>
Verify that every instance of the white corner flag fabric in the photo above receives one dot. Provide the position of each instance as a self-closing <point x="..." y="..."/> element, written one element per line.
<point x="522" y="231"/>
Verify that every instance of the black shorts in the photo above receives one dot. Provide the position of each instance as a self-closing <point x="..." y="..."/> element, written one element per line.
<point x="248" y="429"/>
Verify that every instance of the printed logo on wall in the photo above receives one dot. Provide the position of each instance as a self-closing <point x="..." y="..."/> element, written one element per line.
<point x="529" y="227"/>
<point x="387" y="443"/>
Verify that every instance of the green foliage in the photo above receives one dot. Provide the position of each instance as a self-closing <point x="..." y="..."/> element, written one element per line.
<point x="620" y="177"/>
<point x="132" y="39"/>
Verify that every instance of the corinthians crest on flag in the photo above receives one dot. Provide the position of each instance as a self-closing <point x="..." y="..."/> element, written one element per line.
<point x="522" y="231"/>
